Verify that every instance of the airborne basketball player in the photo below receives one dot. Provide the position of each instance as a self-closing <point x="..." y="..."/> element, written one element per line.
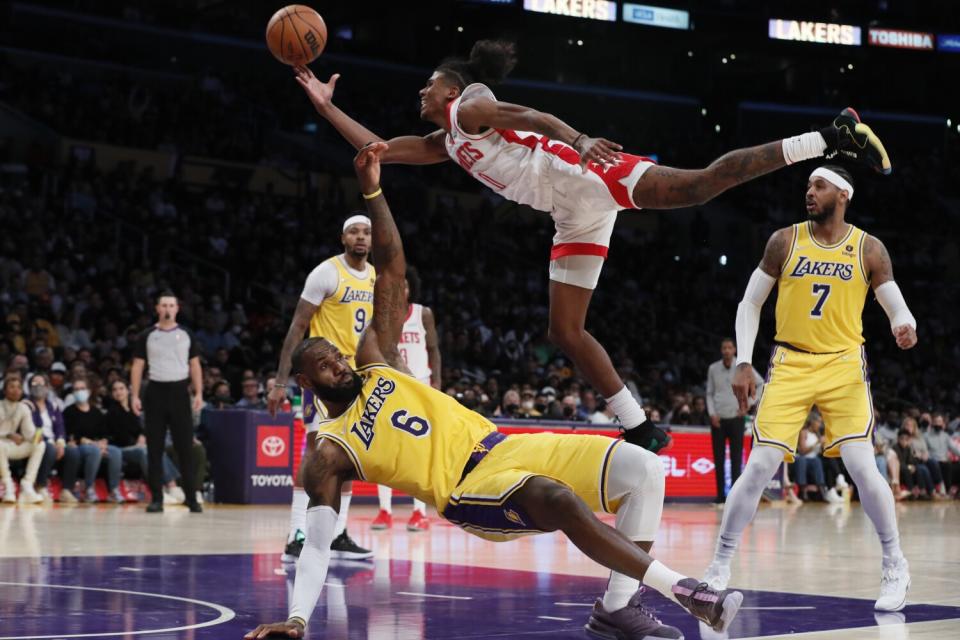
<point x="387" y="427"/>
<point x="533" y="158"/>
<point x="823" y="268"/>
<point x="336" y="302"/>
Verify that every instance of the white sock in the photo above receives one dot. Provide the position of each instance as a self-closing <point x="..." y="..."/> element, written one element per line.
<point x="620" y="589"/>
<point x="386" y="498"/>
<point x="875" y="497"/>
<point x="662" y="578"/>
<point x="298" y="512"/>
<point x="627" y="408"/>
<point x="342" y="516"/>
<point x="803" y="147"/>
<point x="419" y="505"/>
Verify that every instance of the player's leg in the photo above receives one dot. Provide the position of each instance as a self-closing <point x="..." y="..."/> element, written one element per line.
<point x="298" y="506"/>
<point x="384" y="519"/>
<point x="553" y="506"/>
<point x="669" y="188"/>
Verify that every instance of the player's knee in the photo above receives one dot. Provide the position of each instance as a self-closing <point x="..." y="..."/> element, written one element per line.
<point x="646" y="469"/>
<point x="564" y="335"/>
<point x="553" y="505"/>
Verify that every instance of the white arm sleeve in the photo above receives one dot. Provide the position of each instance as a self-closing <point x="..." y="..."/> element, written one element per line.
<point x="313" y="562"/>
<point x="748" y="313"/>
<point x="890" y="298"/>
<point x="321" y="283"/>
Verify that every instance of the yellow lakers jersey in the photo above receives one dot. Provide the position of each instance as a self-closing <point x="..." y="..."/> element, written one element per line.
<point x="821" y="292"/>
<point x="406" y="434"/>
<point x="342" y="317"/>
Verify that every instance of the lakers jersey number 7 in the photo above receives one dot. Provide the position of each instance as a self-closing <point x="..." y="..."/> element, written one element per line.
<point x="822" y="289"/>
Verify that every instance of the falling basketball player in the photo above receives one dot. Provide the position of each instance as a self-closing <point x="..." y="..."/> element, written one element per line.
<point x="533" y="158"/>
<point x="387" y="427"/>
<point x="823" y="268"/>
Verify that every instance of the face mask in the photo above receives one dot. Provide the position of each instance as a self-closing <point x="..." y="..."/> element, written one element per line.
<point x="938" y="427"/>
<point x="568" y="411"/>
<point x="38" y="391"/>
<point x="82" y="395"/>
<point x="924" y="424"/>
<point x="511" y="408"/>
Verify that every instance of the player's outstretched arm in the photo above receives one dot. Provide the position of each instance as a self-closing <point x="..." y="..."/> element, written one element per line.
<point x="326" y="468"/>
<point x="298" y="327"/>
<point x="379" y="342"/>
<point x="426" y="149"/>
<point x="480" y="113"/>
<point x="880" y="271"/>
<point x="748" y="314"/>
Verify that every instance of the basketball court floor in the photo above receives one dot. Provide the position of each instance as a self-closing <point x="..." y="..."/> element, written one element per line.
<point x="809" y="571"/>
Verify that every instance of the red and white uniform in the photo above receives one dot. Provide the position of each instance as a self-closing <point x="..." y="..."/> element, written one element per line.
<point x="531" y="169"/>
<point x="413" y="344"/>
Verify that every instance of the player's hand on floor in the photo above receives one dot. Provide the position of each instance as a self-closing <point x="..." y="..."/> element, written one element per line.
<point x="906" y="336"/>
<point x="320" y="93"/>
<point x="599" y="150"/>
<point x="276" y="630"/>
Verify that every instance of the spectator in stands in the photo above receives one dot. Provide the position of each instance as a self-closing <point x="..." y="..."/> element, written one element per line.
<point x="221" y="396"/>
<point x="588" y="404"/>
<point x="914" y="476"/>
<point x="568" y="408"/>
<point x="251" y="398"/>
<point x="888" y="463"/>
<point x="941" y="446"/>
<point x="527" y="400"/>
<point x="57" y="379"/>
<point x="807" y="464"/>
<point x="603" y="415"/>
<point x="699" y="414"/>
<point x="14" y="333"/>
<point x="18" y="441"/>
<point x="48" y="419"/>
<point x="510" y="405"/>
<point x="922" y="455"/>
<point x="86" y="425"/>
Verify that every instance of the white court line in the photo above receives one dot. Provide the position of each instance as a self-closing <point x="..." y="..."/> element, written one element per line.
<point x="425" y="595"/>
<point x="554" y="618"/>
<point x="226" y="614"/>
<point x="769" y="609"/>
<point x="559" y="604"/>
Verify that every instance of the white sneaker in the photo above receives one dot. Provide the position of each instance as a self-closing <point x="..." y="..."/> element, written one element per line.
<point x="833" y="497"/>
<point x="9" y="492"/>
<point x="199" y="495"/>
<point x="169" y="498"/>
<point x="29" y="495"/>
<point x="894" y="584"/>
<point x="45" y="494"/>
<point x="841" y="483"/>
<point x="717" y="575"/>
<point x="67" y="497"/>
<point x="178" y="495"/>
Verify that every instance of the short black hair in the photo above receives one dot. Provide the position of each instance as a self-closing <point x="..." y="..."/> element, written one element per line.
<point x="413" y="281"/>
<point x="296" y="360"/>
<point x="167" y="293"/>
<point x="490" y="62"/>
<point x="728" y="339"/>
<point x="840" y="171"/>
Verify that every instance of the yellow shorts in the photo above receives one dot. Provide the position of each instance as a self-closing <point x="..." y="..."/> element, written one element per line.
<point x="836" y="383"/>
<point x="482" y="503"/>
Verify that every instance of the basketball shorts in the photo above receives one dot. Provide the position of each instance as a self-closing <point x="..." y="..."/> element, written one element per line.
<point x="836" y="383"/>
<point x="482" y="503"/>
<point x="585" y="207"/>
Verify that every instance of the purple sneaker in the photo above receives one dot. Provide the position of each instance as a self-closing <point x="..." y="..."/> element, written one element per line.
<point x="716" y="608"/>
<point x="633" y="622"/>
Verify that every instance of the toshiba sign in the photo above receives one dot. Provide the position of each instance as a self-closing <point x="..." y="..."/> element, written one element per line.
<point x="901" y="39"/>
<point x="822" y="32"/>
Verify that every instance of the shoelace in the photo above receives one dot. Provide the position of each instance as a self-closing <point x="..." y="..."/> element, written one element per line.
<point x="648" y="613"/>
<point x="888" y="580"/>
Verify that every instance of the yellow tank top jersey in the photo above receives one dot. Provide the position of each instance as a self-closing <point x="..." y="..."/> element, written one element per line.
<point x="406" y="434"/>
<point x="342" y="317"/>
<point x="821" y="292"/>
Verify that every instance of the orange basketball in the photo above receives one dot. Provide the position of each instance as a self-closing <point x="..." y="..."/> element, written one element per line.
<point x="296" y="34"/>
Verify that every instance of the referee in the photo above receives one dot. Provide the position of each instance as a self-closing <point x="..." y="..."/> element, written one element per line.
<point x="171" y="351"/>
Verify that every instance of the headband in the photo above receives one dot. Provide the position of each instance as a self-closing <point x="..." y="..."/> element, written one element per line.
<point x="835" y="179"/>
<point x="357" y="219"/>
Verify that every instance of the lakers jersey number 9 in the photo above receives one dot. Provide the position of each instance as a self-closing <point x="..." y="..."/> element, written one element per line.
<point x="342" y="317"/>
<point x="822" y="290"/>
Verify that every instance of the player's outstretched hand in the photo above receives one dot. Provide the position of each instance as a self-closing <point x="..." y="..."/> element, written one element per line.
<point x="744" y="386"/>
<point x="906" y="336"/>
<point x="367" y="166"/>
<point x="599" y="150"/>
<point x="320" y="93"/>
<point x="276" y="630"/>
<point x="275" y="398"/>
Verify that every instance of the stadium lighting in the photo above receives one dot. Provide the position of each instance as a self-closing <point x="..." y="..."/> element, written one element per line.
<point x="716" y="128"/>
<point x="723" y="261"/>
<point x="949" y="122"/>
<point x="703" y="111"/>
<point x="850" y="66"/>
<point x="579" y="43"/>
<point x="958" y="128"/>
<point x="723" y="60"/>
<point x="460" y="29"/>
<point x="733" y="56"/>
<point x="689" y="54"/>
<point x="436" y="27"/>
<point x="676" y="258"/>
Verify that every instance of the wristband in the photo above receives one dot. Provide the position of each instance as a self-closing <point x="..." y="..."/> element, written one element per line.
<point x="576" y="140"/>
<point x="371" y="196"/>
<point x="298" y="620"/>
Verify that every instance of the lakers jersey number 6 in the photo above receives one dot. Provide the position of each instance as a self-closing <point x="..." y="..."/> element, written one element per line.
<point x="342" y="317"/>
<point x="822" y="289"/>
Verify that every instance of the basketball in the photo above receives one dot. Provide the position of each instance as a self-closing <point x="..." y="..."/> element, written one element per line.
<point x="296" y="35"/>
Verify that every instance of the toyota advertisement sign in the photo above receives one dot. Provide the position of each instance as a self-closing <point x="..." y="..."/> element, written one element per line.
<point x="251" y="455"/>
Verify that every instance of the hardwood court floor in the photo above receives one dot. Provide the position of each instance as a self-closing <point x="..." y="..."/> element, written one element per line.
<point x="104" y="571"/>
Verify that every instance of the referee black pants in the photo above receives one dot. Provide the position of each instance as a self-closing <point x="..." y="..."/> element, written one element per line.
<point x="730" y="429"/>
<point x="167" y="404"/>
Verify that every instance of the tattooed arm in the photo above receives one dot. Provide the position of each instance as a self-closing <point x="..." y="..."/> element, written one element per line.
<point x="379" y="342"/>
<point x="667" y="188"/>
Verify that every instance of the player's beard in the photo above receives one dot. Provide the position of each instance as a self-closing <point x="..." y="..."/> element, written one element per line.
<point x="823" y="216"/>
<point x="341" y="394"/>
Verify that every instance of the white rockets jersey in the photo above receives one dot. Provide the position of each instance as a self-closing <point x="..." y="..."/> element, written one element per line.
<point x="515" y="164"/>
<point x="413" y="344"/>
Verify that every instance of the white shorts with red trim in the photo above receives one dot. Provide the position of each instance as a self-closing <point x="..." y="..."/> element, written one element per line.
<point x="577" y="270"/>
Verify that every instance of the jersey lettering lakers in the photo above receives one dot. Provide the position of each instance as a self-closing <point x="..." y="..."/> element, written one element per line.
<point x="404" y="434"/>
<point x="822" y="290"/>
<point x="343" y="316"/>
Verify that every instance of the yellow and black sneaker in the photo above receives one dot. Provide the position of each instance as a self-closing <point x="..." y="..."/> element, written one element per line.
<point x="850" y="138"/>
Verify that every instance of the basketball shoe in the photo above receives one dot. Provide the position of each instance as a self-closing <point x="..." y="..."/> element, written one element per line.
<point x="852" y="139"/>
<point x="715" y="607"/>
<point x="344" y="548"/>
<point x="292" y="551"/>
<point x="418" y="522"/>
<point x="894" y="584"/>
<point x="717" y="575"/>
<point x="384" y="520"/>
<point x="633" y="622"/>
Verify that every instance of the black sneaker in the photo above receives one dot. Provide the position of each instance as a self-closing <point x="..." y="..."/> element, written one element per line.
<point x="714" y="607"/>
<point x="646" y="435"/>
<point x="633" y="622"/>
<point x="195" y="507"/>
<point x="155" y="507"/>
<point x="292" y="551"/>
<point x="344" y="548"/>
<point x="851" y="138"/>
